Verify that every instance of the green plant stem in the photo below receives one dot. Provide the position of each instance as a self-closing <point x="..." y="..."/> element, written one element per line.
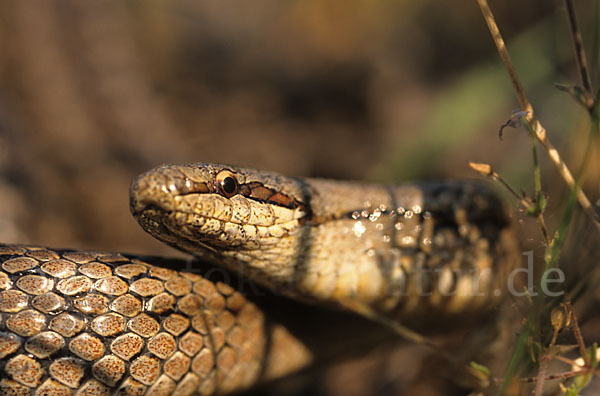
<point x="540" y="200"/>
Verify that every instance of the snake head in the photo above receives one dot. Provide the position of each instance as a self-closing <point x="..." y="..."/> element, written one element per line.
<point x="219" y="210"/>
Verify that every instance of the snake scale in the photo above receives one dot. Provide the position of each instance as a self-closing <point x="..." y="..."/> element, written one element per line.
<point x="93" y="323"/>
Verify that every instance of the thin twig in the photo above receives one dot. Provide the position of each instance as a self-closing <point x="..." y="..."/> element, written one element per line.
<point x="568" y="361"/>
<point x="541" y="377"/>
<point x="487" y="171"/>
<point x="552" y="377"/>
<point x="545" y="359"/>
<point x="577" y="334"/>
<point x="580" y="54"/>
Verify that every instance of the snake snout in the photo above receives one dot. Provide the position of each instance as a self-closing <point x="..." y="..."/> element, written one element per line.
<point x="152" y="189"/>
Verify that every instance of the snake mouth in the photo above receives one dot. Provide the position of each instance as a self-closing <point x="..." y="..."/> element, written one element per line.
<point x="155" y="220"/>
<point x="146" y="205"/>
<point x="151" y="211"/>
<point x="149" y="216"/>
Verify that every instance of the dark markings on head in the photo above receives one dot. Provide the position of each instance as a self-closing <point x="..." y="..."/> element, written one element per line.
<point x="259" y="192"/>
<point x="227" y="185"/>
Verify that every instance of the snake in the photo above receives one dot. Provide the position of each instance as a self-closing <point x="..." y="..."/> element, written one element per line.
<point x="96" y="323"/>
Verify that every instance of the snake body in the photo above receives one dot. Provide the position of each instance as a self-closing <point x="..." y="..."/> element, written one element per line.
<point x="93" y="323"/>
<point x="98" y="323"/>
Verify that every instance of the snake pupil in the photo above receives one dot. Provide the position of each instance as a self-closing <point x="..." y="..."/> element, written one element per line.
<point x="229" y="185"/>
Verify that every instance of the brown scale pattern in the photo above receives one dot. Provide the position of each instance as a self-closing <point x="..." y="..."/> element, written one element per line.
<point x="92" y="323"/>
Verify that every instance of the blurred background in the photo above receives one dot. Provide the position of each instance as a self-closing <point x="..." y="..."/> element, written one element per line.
<point x="92" y="93"/>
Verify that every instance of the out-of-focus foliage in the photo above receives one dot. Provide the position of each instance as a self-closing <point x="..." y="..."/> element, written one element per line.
<point x="99" y="91"/>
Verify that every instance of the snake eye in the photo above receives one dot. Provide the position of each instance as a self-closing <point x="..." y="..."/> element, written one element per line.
<point x="227" y="184"/>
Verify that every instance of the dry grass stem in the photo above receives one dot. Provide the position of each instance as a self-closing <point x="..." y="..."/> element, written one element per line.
<point x="580" y="54"/>
<point x="540" y="131"/>
<point x="503" y="51"/>
<point x="565" y="173"/>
